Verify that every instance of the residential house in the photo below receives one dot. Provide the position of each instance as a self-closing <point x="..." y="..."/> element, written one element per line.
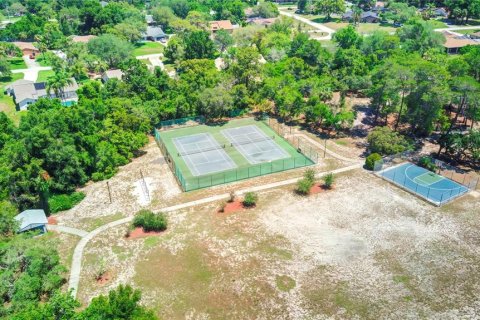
<point x="83" y="39"/>
<point x="27" y="48"/>
<point x="25" y="92"/>
<point x="112" y="74"/>
<point x="454" y="42"/>
<point x="261" y="21"/>
<point x="32" y="220"/>
<point x="154" y="34"/>
<point x="221" y="25"/>
<point x="103" y="3"/>
<point x="366" y="17"/>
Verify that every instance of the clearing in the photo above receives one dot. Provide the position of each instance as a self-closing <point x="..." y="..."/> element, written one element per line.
<point x="144" y="48"/>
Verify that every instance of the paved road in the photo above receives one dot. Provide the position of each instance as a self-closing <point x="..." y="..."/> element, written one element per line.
<point x="76" y="267"/>
<point x="317" y="26"/>
<point x="70" y="230"/>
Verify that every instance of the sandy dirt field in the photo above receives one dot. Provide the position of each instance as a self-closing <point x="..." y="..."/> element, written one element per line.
<point x="365" y="250"/>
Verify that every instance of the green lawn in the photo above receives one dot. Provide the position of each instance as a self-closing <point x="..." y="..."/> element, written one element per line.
<point x="144" y="48"/>
<point x="17" y="63"/>
<point x="44" y="75"/>
<point x="6" y="102"/>
<point x="146" y="61"/>
<point x="362" y="28"/>
<point x="42" y="61"/>
<point x="470" y="31"/>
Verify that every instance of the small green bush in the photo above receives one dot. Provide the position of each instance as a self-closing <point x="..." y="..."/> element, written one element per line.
<point x="250" y="199"/>
<point x="427" y="163"/>
<point x="61" y="202"/>
<point x="304" y="186"/>
<point x="309" y="175"/>
<point x="385" y="141"/>
<point x="371" y="160"/>
<point x="150" y="221"/>
<point x="328" y="180"/>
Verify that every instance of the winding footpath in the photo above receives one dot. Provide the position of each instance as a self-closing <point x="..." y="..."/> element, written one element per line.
<point x="76" y="266"/>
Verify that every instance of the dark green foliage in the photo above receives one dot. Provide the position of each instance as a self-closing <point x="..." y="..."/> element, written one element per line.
<point x="250" y="199"/>
<point x="371" y="160"/>
<point x="384" y="141"/>
<point x="427" y="163"/>
<point x="198" y="45"/>
<point x="63" y="202"/>
<point x="150" y="221"/>
<point x="122" y="303"/>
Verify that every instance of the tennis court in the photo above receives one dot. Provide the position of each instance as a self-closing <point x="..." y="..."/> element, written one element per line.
<point x="254" y="144"/>
<point x="202" y="154"/>
<point x="424" y="183"/>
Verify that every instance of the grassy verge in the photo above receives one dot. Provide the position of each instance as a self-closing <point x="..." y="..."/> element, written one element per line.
<point x="144" y="48"/>
<point x="17" y="63"/>
<point x="6" y="102"/>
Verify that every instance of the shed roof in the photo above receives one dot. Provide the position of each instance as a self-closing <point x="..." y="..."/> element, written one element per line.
<point x="31" y="218"/>
<point x="221" y="25"/>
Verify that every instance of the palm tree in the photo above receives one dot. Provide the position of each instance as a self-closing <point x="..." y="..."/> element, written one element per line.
<point x="57" y="83"/>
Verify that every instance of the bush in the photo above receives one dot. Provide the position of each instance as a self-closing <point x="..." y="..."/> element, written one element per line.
<point x="427" y="163"/>
<point x="328" y="180"/>
<point x="250" y="199"/>
<point x="61" y="202"/>
<point x="305" y="184"/>
<point x="384" y="141"/>
<point x="150" y="221"/>
<point x="371" y="160"/>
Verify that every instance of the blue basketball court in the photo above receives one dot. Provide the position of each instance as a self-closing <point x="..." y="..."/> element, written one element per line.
<point x="424" y="183"/>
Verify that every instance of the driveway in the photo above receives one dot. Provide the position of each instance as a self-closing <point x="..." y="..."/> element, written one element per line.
<point x="318" y="26"/>
<point x="31" y="73"/>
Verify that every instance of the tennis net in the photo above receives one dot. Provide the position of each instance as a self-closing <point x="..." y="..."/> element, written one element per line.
<point x="233" y="144"/>
<point x="186" y="153"/>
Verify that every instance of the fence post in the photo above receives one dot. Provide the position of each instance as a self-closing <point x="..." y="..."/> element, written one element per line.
<point x="109" y="192"/>
<point x="394" y="174"/>
<point x="428" y="193"/>
<point x="441" y="198"/>
<point x="464" y="177"/>
<point x="325" y="149"/>
<point x="416" y="187"/>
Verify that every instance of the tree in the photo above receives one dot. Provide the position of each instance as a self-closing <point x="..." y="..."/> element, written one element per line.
<point x="328" y="7"/>
<point x="122" y="303"/>
<point x="246" y="66"/>
<point x="266" y="10"/>
<point x="347" y="38"/>
<point x="198" y="45"/>
<point x="5" y="71"/>
<point x="419" y="36"/>
<point x="110" y="49"/>
<point x="8" y="225"/>
<point x="175" y="50"/>
<point x="215" y="102"/>
<point x="384" y="141"/>
<point x="223" y="40"/>
<point x="57" y="83"/>
<point x="400" y="12"/>
<point x="164" y="16"/>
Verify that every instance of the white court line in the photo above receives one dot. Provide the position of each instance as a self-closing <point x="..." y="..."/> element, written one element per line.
<point x="418" y="178"/>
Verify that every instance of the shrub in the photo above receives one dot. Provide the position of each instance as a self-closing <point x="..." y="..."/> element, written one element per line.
<point x="371" y="160"/>
<point x="61" y="202"/>
<point x="328" y="180"/>
<point x="427" y="163"/>
<point x="222" y="206"/>
<point x="232" y="196"/>
<point x="304" y="186"/>
<point x="150" y="221"/>
<point x="309" y="175"/>
<point x="250" y="199"/>
<point x="385" y="141"/>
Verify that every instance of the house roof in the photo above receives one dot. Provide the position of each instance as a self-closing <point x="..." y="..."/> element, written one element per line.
<point x="221" y="25"/>
<point x="367" y="14"/>
<point x="31" y="218"/>
<point x="83" y="39"/>
<point x="113" y="74"/>
<point x="103" y="3"/>
<point x="458" y="41"/>
<point x="149" y="18"/>
<point x="35" y="90"/>
<point x="155" y="32"/>
<point x="25" y="45"/>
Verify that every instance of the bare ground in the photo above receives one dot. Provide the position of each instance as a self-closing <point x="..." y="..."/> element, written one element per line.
<point x="364" y="250"/>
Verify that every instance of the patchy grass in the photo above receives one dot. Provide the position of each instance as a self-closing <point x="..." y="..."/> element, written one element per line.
<point x="144" y="48"/>
<point x="285" y="283"/>
<point x="468" y="31"/>
<point x="92" y="224"/>
<point x="17" y="63"/>
<point x="8" y="106"/>
<point x="362" y="28"/>
<point x="44" y="75"/>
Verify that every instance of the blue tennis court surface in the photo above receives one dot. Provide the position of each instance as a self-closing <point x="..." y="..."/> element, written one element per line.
<point x="426" y="184"/>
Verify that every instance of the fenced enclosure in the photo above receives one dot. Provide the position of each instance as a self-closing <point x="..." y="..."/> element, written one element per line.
<point x="436" y="187"/>
<point x="251" y="146"/>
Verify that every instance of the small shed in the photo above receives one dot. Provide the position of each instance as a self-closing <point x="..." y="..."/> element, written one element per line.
<point x="112" y="74"/>
<point x="32" y="220"/>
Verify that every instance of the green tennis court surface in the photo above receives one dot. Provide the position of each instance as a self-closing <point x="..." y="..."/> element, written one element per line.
<point x="207" y="155"/>
<point x="428" y="178"/>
